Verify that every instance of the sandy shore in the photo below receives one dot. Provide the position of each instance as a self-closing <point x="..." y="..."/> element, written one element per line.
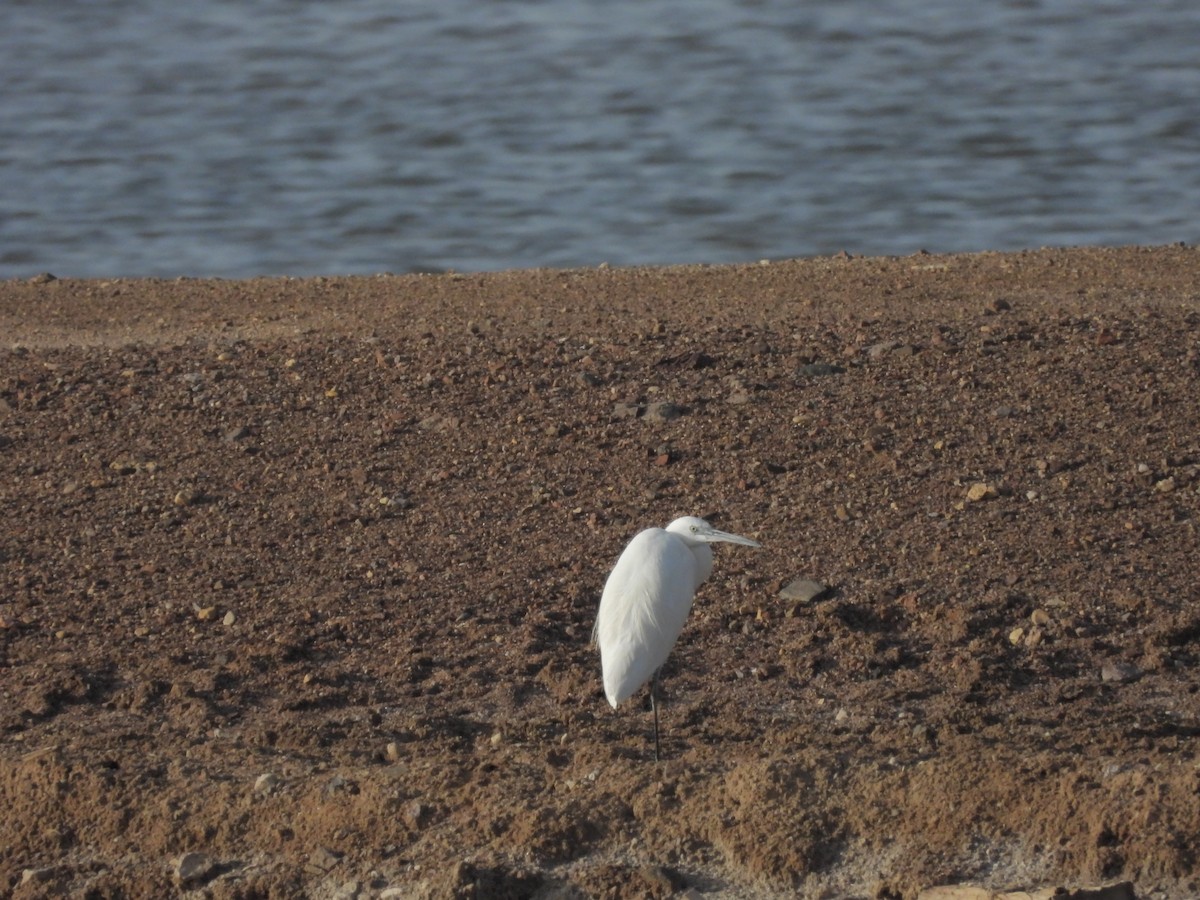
<point x="297" y="580"/>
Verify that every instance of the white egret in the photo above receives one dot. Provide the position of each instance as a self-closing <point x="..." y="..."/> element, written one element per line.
<point x="646" y="600"/>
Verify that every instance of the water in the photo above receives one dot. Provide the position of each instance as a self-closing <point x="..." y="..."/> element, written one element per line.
<point x="230" y="139"/>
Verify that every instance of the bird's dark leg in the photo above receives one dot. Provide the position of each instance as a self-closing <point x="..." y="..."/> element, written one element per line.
<point x="654" y="707"/>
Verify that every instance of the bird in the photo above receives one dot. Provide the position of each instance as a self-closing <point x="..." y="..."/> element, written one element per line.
<point x="646" y="600"/>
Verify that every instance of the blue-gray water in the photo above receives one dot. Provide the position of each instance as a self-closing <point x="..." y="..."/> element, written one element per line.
<point x="231" y="139"/>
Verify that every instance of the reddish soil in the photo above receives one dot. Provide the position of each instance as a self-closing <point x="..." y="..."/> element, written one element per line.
<point x="350" y="534"/>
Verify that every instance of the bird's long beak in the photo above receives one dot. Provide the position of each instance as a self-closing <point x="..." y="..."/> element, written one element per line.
<point x="714" y="536"/>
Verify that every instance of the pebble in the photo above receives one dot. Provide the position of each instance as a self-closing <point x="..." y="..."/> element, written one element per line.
<point x="1039" y="617"/>
<point x="817" y="370"/>
<point x="877" y="350"/>
<point x="266" y="783"/>
<point x="662" y="411"/>
<point x="185" y="497"/>
<point x="1166" y="485"/>
<point x="980" y="491"/>
<point x="416" y="814"/>
<point x="192" y="868"/>
<point x="230" y="618"/>
<point x="40" y="876"/>
<point x="626" y="411"/>
<point x="1119" y="671"/>
<point x="803" y="590"/>
<point x="206" y="614"/>
<point x="1016" y="636"/>
<point x="656" y="880"/>
<point x="322" y="860"/>
<point x="393" y="751"/>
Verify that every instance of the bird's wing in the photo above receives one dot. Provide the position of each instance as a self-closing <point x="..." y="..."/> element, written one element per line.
<point x="642" y="610"/>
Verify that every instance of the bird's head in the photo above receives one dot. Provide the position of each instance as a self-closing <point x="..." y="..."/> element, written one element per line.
<point x="696" y="531"/>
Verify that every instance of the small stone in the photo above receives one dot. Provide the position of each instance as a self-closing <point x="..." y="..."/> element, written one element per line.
<point x="1040" y="618"/>
<point x="663" y="459"/>
<point x="416" y="814"/>
<point x="877" y="350"/>
<point x="1034" y="638"/>
<point x="230" y="618"/>
<point x="1120" y="672"/>
<point x="185" y="497"/>
<point x="841" y="715"/>
<point x="816" y="370"/>
<point x="1165" y="486"/>
<point x="206" y="614"/>
<point x="42" y="875"/>
<point x="980" y="491"/>
<point x="393" y="751"/>
<point x="662" y="411"/>
<point x="193" y="868"/>
<point x="657" y="881"/>
<point x="626" y="411"/>
<point x="266" y="783"/>
<point x="803" y="590"/>
<point x="236" y="434"/>
<point x="322" y="860"/>
<point x="1016" y="636"/>
<point x="497" y="738"/>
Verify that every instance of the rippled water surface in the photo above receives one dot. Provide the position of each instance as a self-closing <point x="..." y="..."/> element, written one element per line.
<point x="232" y="139"/>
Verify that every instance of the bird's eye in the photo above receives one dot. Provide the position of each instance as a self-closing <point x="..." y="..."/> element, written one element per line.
<point x="694" y="529"/>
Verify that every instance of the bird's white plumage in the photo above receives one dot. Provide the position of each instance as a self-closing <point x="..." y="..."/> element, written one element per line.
<point x="647" y="598"/>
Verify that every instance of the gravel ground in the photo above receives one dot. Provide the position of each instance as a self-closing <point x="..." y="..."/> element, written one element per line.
<point x="297" y="579"/>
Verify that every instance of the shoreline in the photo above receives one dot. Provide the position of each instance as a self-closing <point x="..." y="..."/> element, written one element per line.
<point x="85" y="312"/>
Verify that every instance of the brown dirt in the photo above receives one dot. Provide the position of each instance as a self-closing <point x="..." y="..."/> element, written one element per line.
<point x="350" y="534"/>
